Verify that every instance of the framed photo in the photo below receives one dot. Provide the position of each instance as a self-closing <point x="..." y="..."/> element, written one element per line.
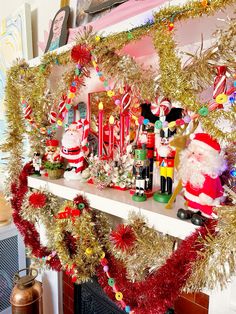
<point x="15" y="42"/>
<point x="59" y="30"/>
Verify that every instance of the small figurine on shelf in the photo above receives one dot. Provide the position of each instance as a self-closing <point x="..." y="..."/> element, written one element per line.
<point x="165" y="160"/>
<point x="74" y="151"/>
<point x="201" y="164"/>
<point x="141" y="173"/>
<point x="37" y="163"/>
<point x="53" y="165"/>
<point x="52" y="151"/>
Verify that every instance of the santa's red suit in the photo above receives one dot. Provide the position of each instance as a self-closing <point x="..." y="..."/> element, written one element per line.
<point x="205" y="197"/>
<point x="200" y="167"/>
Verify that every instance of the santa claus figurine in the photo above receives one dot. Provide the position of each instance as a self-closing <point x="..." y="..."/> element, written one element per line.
<point x="71" y="150"/>
<point x="201" y="164"/>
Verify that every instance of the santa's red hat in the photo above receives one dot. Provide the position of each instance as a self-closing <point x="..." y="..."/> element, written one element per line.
<point x="52" y="142"/>
<point x="205" y="141"/>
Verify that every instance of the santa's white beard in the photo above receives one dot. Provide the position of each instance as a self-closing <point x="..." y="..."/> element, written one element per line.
<point x="71" y="139"/>
<point x="194" y="171"/>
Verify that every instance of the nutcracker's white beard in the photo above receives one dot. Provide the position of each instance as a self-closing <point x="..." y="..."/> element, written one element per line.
<point x="193" y="168"/>
<point x="164" y="150"/>
<point x="71" y="139"/>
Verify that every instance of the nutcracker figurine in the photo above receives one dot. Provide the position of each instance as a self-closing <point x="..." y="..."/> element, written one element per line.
<point x="52" y="151"/>
<point x="141" y="173"/>
<point x="165" y="161"/>
<point x="37" y="163"/>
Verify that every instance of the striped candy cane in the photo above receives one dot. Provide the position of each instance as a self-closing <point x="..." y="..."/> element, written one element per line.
<point x="27" y="111"/>
<point x="62" y="109"/>
<point x="220" y="81"/>
<point x="52" y="117"/>
<point x="83" y="123"/>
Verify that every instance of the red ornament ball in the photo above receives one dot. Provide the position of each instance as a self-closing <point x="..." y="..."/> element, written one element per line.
<point x="37" y="200"/>
<point x="81" y="54"/>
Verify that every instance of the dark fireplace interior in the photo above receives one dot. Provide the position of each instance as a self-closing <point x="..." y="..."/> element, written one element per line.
<point x="89" y="298"/>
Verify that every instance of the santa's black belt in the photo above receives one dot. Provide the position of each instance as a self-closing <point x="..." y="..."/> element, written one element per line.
<point x="71" y="150"/>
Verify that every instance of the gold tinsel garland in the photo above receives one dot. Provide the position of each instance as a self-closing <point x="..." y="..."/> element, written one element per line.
<point x="42" y="215"/>
<point x="175" y="82"/>
<point x="88" y="251"/>
<point x="217" y="262"/>
<point x="150" y="251"/>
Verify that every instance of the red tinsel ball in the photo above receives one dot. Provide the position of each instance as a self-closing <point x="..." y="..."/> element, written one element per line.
<point x="37" y="200"/>
<point x="80" y="54"/>
<point x="123" y="237"/>
<point x="80" y="199"/>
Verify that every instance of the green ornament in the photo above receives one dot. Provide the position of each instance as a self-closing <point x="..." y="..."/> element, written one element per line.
<point x="81" y="205"/>
<point x="42" y="67"/>
<point x="158" y="124"/>
<point x="105" y="83"/>
<point x="203" y="111"/>
<point x="111" y="282"/>
<point x="77" y="71"/>
<point x="130" y="36"/>
<point x="68" y="106"/>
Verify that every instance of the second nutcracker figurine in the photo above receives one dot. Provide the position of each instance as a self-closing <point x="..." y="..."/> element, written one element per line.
<point x="141" y="173"/>
<point x="165" y="161"/>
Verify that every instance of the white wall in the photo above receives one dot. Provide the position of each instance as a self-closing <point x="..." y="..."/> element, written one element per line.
<point x="42" y="11"/>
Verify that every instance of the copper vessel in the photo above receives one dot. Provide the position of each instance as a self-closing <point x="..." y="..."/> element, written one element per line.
<point x="26" y="296"/>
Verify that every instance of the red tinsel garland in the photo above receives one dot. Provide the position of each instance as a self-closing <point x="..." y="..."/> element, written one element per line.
<point x="159" y="291"/>
<point x="27" y="229"/>
<point x="152" y="296"/>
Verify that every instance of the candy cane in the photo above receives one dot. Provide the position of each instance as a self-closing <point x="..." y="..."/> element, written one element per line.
<point x="52" y="117"/>
<point x="220" y="81"/>
<point x="62" y="109"/>
<point x="162" y="106"/>
<point x="125" y="102"/>
<point x="83" y="123"/>
<point x="27" y="111"/>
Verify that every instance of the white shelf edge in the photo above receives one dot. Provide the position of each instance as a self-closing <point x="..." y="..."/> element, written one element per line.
<point x="119" y="204"/>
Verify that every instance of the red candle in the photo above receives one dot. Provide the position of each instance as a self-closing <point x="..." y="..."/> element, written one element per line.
<point x="127" y="123"/>
<point x="111" y="136"/>
<point x="122" y="133"/>
<point x="100" y="129"/>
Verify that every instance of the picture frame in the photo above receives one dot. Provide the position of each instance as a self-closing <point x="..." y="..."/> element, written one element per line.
<point x="59" y="30"/>
<point x="15" y="43"/>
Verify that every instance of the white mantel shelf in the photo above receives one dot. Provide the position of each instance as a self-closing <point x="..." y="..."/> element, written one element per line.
<point x="119" y="204"/>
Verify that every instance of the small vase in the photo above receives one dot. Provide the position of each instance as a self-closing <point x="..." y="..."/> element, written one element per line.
<point x="55" y="174"/>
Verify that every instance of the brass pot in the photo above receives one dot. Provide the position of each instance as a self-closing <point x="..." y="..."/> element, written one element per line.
<point x="26" y="296"/>
<point x="55" y="174"/>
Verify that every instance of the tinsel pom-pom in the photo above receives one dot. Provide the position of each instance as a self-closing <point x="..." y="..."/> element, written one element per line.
<point x="79" y="200"/>
<point x="37" y="200"/>
<point x="123" y="237"/>
<point x="80" y="54"/>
